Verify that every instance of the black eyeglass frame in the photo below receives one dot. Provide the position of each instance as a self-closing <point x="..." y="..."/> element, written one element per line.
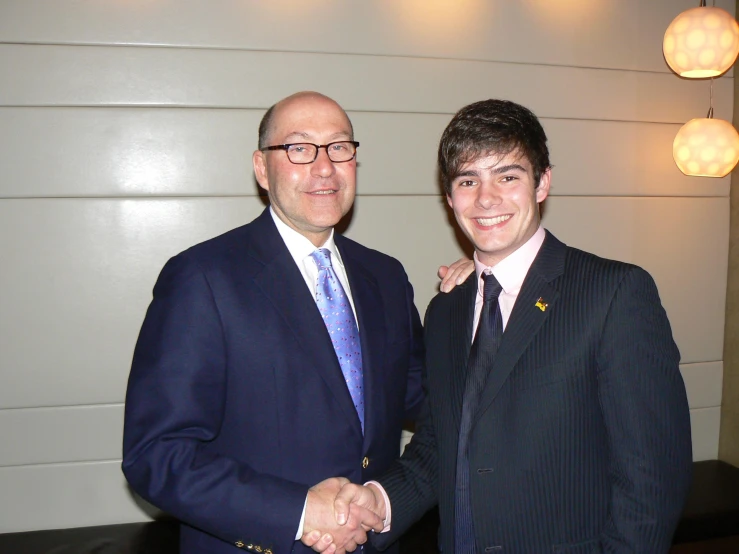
<point x="285" y="147"/>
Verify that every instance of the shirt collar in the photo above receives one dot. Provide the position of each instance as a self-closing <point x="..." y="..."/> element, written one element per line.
<point x="299" y="246"/>
<point x="511" y="271"/>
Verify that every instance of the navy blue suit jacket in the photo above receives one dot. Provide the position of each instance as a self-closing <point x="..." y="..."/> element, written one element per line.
<point x="236" y="403"/>
<point x="581" y="442"/>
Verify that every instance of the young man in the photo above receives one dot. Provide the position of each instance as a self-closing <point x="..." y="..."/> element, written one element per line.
<point x="556" y="417"/>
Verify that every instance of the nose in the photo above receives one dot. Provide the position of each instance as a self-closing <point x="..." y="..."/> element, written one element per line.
<point x="488" y="196"/>
<point x="322" y="166"/>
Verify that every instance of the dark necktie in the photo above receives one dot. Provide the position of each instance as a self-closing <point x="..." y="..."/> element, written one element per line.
<point x="482" y="355"/>
<point x="342" y="327"/>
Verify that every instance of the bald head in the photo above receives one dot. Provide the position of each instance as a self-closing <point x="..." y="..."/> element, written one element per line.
<point x="266" y="126"/>
<point x="311" y="197"/>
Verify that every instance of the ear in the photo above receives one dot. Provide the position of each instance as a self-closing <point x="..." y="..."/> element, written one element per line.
<point x="260" y="169"/>
<point x="449" y="200"/>
<point x="542" y="191"/>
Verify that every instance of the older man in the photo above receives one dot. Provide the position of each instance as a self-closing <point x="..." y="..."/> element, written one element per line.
<point x="274" y="357"/>
<point x="557" y="419"/>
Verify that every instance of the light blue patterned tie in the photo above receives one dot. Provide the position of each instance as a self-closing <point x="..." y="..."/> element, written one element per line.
<point x="339" y="319"/>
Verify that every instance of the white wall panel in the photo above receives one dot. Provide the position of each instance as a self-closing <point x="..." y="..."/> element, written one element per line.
<point x="703" y="382"/>
<point x="618" y="34"/>
<point x="613" y="158"/>
<point x="62" y="152"/>
<point x="67" y="495"/>
<point x="126" y="151"/>
<point x="68" y="434"/>
<point x="705" y="424"/>
<point x="84" y="75"/>
<point x="32" y="436"/>
<point x="682" y="242"/>
<point x="82" y="278"/>
<point x="81" y="274"/>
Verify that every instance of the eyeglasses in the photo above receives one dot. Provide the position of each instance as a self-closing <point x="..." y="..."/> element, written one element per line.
<point x="306" y="152"/>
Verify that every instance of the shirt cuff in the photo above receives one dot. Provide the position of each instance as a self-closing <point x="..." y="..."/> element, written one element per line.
<point x="299" y="534"/>
<point x="388" y="510"/>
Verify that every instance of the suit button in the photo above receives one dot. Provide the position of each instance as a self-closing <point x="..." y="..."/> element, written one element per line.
<point x="365" y="462"/>
<point x="239" y="544"/>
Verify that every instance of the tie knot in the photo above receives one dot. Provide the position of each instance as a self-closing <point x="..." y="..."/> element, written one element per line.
<point x="492" y="287"/>
<point x="322" y="257"/>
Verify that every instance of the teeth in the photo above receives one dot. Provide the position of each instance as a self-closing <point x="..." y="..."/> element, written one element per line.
<point x="324" y="192"/>
<point x="487" y="222"/>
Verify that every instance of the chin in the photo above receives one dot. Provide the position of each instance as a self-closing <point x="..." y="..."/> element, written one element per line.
<point x="325" y="222"/>
<point x="494" y="250"/>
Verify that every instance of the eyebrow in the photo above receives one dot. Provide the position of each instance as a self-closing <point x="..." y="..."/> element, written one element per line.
<point x="506" y="168"/>
<point x="493" y="169"/>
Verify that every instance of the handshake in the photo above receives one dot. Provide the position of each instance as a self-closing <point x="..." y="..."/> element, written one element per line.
<point x="338" y="515"/>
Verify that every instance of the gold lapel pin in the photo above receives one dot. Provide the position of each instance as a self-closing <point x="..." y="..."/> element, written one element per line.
<point x="541" y="304"/>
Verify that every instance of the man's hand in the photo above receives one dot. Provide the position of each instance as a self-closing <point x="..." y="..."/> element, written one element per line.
<point x="455" y="274"/>
<point x="321" y="530"/>
<point x="367" y="497"/>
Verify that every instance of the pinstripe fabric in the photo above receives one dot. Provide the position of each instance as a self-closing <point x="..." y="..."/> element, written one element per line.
<point x="482" y="354"/>
<point x="581" y="442"/>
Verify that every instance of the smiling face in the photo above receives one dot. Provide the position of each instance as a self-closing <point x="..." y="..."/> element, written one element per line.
<point x="496" y="203"/>
<point x="310" y="198"/>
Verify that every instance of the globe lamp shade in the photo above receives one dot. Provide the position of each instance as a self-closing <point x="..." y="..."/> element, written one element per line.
<point x="706" y="147"/>
<point x="701" y="42"/>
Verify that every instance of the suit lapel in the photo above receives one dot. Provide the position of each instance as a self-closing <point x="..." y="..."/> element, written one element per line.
<point x="282" y="283"/>
<point x="526" y="318"/>
<point x="462" y="312"/>
<point x="372" y="334"/>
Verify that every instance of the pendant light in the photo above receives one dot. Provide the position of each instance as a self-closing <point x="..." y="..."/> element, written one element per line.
<point x="701" y="42"/>
<point x="706" y="147"/>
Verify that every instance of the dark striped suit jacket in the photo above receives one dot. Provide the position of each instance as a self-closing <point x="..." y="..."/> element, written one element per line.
<point x="581" y="442"/>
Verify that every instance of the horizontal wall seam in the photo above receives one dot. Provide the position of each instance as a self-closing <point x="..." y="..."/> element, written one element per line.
<point x="371" y="195"/>
<point x="62" y="464"/>
<point x="705" y="408"/>
<point x="64" y="406"/>
<point x="326" y="53"/>
<point x="263" y="108"/>
<point x="687" y="364"/>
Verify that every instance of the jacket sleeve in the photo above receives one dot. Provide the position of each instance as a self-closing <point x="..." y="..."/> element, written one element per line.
<point x="174" y="407"/>
<point x="411" y="482"/>
<point x="414" y="392"/>
<point x="645" y="409"/>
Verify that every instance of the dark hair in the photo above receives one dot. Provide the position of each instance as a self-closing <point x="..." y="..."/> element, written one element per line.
<point x="496" y="127"/>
